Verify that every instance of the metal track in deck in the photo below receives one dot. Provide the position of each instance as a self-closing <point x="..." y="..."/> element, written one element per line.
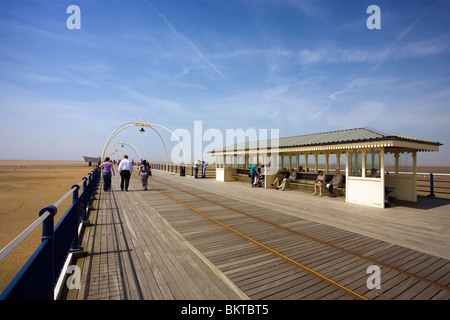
<point x="179" y="242"/>
<point x="294" y="258"/>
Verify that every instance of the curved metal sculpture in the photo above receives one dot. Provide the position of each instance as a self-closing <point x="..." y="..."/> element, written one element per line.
<point x="142" y="125"/>
<point x="136" y="150"/>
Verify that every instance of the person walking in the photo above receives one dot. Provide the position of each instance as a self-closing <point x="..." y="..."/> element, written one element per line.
<point x="253" y="173"/>
<point x="125" y="170"/>
<point x="145" y="171"/>
<point x="204" y="164"/>
<point x="107" y="169"/>
<point x="197" y="165"/>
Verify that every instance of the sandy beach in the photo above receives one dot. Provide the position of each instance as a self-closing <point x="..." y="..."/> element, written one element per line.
<point x="25" y="188"/>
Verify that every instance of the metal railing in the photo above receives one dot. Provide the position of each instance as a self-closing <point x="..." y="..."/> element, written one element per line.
<point x="188" y="170"/>
<point x="434" y="186"/>
<point x="38" y="277"/>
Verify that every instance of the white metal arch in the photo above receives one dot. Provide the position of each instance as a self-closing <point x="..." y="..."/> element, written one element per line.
<point x="111" y="152"/>
<point x="136" y="150"/>
<point x="142" y="124"/>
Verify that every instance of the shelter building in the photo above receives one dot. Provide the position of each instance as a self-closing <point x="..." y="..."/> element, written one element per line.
<point x="91" y="160"/>
<point x="372" y="160"/>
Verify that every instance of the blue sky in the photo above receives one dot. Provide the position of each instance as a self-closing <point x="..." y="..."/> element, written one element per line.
<point x="300" y="66"/>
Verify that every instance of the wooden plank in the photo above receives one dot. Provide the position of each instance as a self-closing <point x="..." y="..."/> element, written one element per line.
<point x="106" y="282"/>
<point x="177" y="253"/>
<point x="356" y="242"/>
<point x="202" y="268"/>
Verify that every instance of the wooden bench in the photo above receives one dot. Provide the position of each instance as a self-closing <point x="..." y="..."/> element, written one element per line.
<point x="242" y="175"/>
<point x="306" y="181"/>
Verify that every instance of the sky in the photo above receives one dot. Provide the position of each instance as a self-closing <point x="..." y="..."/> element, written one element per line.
<point x="201" y="67"/>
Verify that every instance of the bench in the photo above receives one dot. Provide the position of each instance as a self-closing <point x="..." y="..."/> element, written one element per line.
<point x="242" y="175"/>
<point x="306" y="181"/>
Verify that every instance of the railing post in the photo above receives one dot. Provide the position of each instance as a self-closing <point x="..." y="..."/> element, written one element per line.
<point x="84" y="183"/>
<point x="48" y="235"/>
<point x="75" y="193"/>
<point x="431" y="195"/>
<point x="47" y="224"/>
<point x="74" y="247"/>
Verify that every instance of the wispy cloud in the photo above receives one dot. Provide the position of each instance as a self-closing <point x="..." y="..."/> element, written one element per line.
<point x="152" y="102"/>
<point x="342" y="55"/>
<point x="334" y="94"/>
<point x="395" y="50"/>
<point x="188" y="42"/>
<point x="254" y="52"/>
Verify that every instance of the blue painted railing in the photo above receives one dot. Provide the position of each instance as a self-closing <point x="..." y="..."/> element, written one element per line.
<point x="37" y="278"/>
<point x="432" y="188"/>
<point x="188" y="170"/>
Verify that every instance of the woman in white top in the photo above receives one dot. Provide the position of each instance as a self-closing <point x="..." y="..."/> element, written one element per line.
<point x="320" y="182"/>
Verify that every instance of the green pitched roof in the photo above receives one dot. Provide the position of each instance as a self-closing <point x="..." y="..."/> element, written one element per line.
<point x="332" y="137"/>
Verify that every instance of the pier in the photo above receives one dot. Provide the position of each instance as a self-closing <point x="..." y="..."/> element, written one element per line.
<point x="199" y="239"/>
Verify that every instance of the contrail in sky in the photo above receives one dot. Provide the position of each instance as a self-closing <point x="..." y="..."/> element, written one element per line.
<point x="187" y="41"/>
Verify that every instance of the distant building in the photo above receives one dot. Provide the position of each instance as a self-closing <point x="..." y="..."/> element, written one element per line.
<point x="92" y="159"/>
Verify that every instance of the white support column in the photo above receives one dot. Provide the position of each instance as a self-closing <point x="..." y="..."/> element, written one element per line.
<point x="338" y="161"/>
<point x="363" y="162"/>
<point x="382" y="176"/>
<point x="316" y="162"/>
<point x="306" y="162"/>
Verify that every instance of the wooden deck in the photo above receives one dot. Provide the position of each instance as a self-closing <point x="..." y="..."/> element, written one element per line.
<point x="201" y="239"/>
<point x="135" y="254"/>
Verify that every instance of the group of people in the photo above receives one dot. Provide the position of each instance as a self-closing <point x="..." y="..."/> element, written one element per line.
<point x="290" y="176"/>
<point x="257" y="174"/>
<point x="125" y="169"/>
<point x="336" y="182"/>
<point x="200" y="165"/>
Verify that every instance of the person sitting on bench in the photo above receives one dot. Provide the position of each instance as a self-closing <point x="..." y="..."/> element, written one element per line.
<point x="292" y="177"/>
<point x="337" y="181"/>
<point x="320" y="181"/>
<point x="283" y="174"/>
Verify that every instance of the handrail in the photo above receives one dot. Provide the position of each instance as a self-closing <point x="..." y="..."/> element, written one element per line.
<point x="37" y="278"/>
<point x="13" y="244"/>
<point x="189" y="169"/>
<point x="18" y="240"/>
<point x="432" y="187"/>
<point x="70" y="192"/>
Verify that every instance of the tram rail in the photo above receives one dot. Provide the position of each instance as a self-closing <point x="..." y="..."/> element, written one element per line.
<point x="274" y="242"/>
